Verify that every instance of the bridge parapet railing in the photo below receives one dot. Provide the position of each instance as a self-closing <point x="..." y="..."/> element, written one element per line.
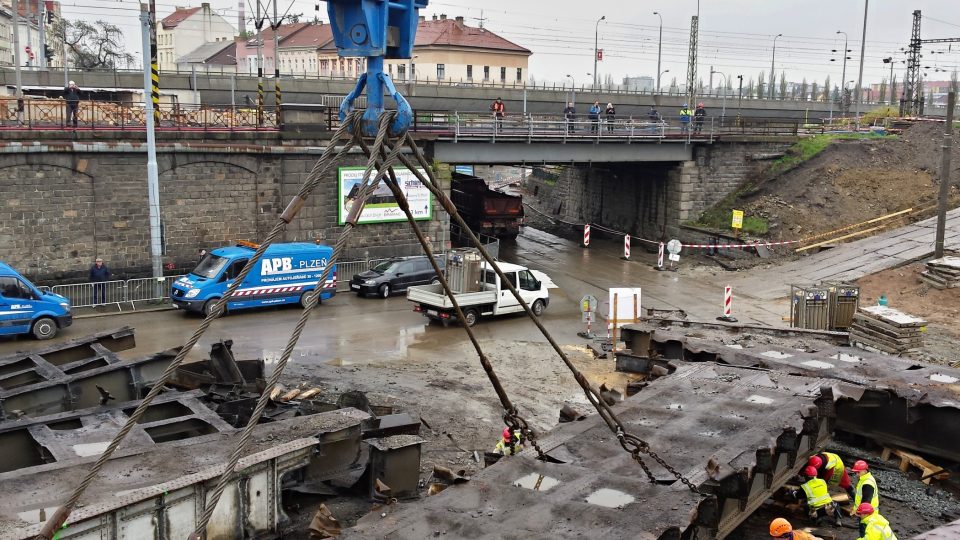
<point x="46" y="114"/>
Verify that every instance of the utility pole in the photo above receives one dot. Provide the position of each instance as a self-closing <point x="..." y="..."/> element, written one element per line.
<point x="259" y="25"/>
<point x="16" y="59"/>
<point x="909" y="105"/>
<point x="596" y="43"/>
<point x="692" y="57"/>
<point x="154" y="65"/>
<point x="947" y="148"/>
<point x="66" y="60"/>
<point x="276" y="62"/>
<point x="153" y="186"/>
<point x="659" y="49"/>
<point x="863" y="50"/>
<point x="41" y="27"/>
<point x="773" y="73"/>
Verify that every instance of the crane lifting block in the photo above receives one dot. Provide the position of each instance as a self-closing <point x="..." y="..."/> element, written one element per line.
<point x="376" y="30"/>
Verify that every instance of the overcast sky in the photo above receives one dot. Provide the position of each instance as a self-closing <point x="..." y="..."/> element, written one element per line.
<point x="736" y="36"/>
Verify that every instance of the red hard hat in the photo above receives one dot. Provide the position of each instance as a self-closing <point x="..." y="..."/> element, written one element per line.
<point x="865" y="509"/>
<point x="860" y="466"/>
<point x="507" y="434"/>
<point x="810" y="471"/>
<point x="815" y="462"/>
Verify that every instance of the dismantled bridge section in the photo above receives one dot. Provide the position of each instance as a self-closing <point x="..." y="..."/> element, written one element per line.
<point x="738" y="434"/>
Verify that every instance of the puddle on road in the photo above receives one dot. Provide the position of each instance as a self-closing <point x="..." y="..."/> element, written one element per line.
<point x="537" y="482"/>
<point x="610" y="498"/>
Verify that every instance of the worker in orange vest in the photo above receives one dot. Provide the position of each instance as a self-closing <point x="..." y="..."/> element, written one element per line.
<point x="781" y="528"/>
<point x="499" y="110"/>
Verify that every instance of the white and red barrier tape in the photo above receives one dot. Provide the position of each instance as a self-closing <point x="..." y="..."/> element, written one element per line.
<point x="741" y="246"/>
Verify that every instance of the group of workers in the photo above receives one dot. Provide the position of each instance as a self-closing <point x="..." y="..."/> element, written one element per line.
<point x="696" y="116"/>
<point x="825" y="470"/>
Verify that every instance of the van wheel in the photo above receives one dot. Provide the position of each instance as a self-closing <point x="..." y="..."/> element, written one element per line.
<point x="436" y="281"/>
<point x="384" y="290"/>
<point x="209" y="305"/>
<point x="537" y="308"/>
<point x="303" y="300"/>
<point x="44" y="328"/>
<point x="470" y="317"/>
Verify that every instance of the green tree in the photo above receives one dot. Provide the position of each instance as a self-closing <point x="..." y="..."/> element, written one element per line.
<point x="749" y="89"/>
<point x="803" y="89"/>
<point x="826" y="89"/>
<point x="95" y="45"/>
<point x="783" y="85"/>
<point x="814" y="91"/>
<point x="893" y="90"/>
<point x="760" y="85"/>
<point x="883" y="90"/>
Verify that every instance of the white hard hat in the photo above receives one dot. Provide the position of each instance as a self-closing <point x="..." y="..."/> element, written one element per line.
<point x="72" y="83"/>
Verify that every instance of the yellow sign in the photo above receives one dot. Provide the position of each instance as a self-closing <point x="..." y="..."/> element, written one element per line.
<point x="737" y="222"/>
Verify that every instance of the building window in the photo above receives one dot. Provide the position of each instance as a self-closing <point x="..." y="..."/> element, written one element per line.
<point x="486" y="73"/>
<point x="519" y="74"/>
<point x="413" y="71"/>
<point x="401" y="72"/>
<point x="323" y="67"/>
<point x="390" y="69"/>
<point x="441" y="71"/>
<point x="503" y="74"/>
<point x="469" y="72"/>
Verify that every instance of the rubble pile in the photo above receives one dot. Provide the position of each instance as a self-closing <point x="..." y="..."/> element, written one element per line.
<point x="887" y="330"/>
<point x="942" y="273"/>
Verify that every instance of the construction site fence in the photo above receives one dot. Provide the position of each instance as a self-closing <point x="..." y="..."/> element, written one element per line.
<point x="122" y="293"/>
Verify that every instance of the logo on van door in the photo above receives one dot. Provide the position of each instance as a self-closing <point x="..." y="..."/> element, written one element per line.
<point x="284" y="265"/>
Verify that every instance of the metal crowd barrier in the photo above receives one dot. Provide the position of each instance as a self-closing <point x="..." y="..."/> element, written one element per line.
<point x="93" y="294"/>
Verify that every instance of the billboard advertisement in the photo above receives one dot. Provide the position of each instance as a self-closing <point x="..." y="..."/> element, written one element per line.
<point x="381" y="207"/>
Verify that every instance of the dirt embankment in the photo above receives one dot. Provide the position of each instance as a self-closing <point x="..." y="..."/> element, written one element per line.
<point x="852" y="181"/>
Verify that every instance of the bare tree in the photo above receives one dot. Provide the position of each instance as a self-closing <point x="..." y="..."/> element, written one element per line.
<point x="814" y="91"/>
<point x="783" y="85"/>
<point x="883" y="90"/>
<point x="803" y="90"/>
<point x="893" y="89"/>
<point x="826" y="89"/>
<point x="96" y="45"/>
<point x="760" y="86"/>
<point x="749" y="90"/>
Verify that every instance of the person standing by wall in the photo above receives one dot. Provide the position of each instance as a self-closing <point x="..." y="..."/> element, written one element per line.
<point x="570" y="114"/>
<point x="611" y="113"/>
<point x="699" y="116"/>
<point x="499" y="110"/>
<point x="99" y="273"/>
<point x="71" y="94"/>
<point x="595" y="117"/>
<point x="685" y="114"/>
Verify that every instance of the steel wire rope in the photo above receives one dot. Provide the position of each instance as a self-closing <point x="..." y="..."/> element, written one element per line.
<point x="367" y="187"/>
<point x="511" y="416"/>
<point x="63" y="512"/>
<point x="631" y="443"/>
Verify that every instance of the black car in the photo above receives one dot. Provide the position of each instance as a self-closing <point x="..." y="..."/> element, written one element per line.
<point x="395" y="275"/>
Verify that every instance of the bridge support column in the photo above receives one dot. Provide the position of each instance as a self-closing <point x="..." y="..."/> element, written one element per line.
<point x="681" y="182"/>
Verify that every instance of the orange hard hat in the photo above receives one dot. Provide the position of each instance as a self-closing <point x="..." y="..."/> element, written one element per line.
<point x="507" y="434"/>
<point x="860" y="466"/>
<point x="865" y="509"/>
<point x="815" y="462"/>
<point x="810" y="471"/>
<point x="780" y="527"/>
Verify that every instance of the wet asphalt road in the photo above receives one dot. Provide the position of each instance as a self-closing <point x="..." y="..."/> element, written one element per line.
<point x="352" y="329"/>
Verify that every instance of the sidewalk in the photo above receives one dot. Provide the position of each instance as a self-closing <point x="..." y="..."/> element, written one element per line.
<point x="848" y="262"/>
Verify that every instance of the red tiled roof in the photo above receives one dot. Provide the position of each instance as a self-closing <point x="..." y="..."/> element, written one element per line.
<point x="286" y="31"/>
<point x="450" y="32"/>
<point x="177" y="17"/>
<point x="315" y="35"/>
<point x="226" y="57"/>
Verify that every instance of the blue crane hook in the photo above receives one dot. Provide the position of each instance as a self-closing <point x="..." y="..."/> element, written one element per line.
<point x="376" y="30"/>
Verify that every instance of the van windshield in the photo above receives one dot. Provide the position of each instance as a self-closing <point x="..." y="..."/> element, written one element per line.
<point x="210" y="266"/>
<point x="386" y="267"/>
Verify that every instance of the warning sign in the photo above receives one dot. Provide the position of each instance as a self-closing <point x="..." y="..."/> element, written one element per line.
<point x="737" y="222"/>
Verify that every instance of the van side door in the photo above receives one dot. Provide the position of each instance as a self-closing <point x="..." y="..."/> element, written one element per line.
<point x="507" y="303"/>
<point x="229" y="274"/>
<point x="529" y="287"/>
<point x="17" y="305"/>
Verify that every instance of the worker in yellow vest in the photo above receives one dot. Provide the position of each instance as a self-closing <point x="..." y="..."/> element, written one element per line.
<point x="781" y="528"/>
<point x="866" y="489"/>
<point x="830" y="467"/>
<point x="873" y="526"/>
<point x="509" y="444"/>
<point x="819" y="503"/>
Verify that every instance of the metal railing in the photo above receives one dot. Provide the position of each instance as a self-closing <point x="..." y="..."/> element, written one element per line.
<point x="49" y="114"/>
<point x="93" y="294"/>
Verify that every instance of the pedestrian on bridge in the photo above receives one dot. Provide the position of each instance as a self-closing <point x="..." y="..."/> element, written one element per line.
<point x="71" y="94"/>
<point x="99" y="273"/>
<point x="685" y="114"/>
<point x="595" y="117"/>
<point x="653" y="115"/>
<point x="570" y="114"/>
<point x="499" y="109"/>
<point x="698" y="117"/>
<point x="611" y="114"/>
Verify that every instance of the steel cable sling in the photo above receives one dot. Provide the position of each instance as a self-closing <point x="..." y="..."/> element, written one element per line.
<point x="320" y="169"/>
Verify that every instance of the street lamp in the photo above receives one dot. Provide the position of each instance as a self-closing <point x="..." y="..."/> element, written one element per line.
<point x="659" y="49"/>
<point x="573" y="89"/>
<point x="843" y="76"/>
<point x="723" y="112"/>
<point x="863" y="46"/>
<point x="596" y="42"/>
<point x="740" y="95"/>
<point x="658" y="78"/>
<point x="889" y="60"/>
<point x="773" y="76"/>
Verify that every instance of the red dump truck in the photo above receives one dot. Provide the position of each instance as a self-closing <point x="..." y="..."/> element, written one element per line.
<point x="486" y="211"/>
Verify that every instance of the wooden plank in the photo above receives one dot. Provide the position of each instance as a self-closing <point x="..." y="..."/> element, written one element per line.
<point x="891" y="316"/>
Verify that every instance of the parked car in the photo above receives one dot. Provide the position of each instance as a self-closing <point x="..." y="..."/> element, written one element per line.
<point x="25" y="309"/>
<point x="395" y="275"/>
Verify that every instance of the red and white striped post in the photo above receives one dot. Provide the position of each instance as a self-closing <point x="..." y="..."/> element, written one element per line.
<point x="727" y="305"/>
<point x="626" y="247"/>
<point x="660" y="257"/>
<point x="586" y="235"/>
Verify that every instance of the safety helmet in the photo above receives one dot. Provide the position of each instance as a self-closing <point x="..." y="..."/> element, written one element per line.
<point x="507" y="434"/>
<point x="815" y="462"/>
<point x="780" y="527"/>
<point x="686" y="105"/>
<point x="860" y="466"/>
<point x="865" y="509"/>
<point x="810" y="471"/>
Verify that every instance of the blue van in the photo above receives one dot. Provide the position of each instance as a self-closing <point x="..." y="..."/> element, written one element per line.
<point x="284" y="275"/>
<point x="25" y="309"/>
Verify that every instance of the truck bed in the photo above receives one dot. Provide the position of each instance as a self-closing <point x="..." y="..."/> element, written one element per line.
<point x="433" y="296"/>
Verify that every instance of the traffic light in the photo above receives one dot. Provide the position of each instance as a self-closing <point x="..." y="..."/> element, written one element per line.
<point x="49" y="17"/>
<point x="48" y="52"/>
